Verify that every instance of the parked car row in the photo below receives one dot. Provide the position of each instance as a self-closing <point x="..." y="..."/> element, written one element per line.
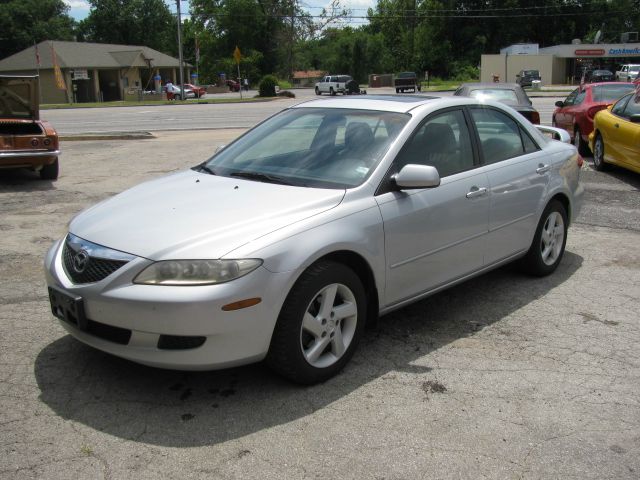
<point x="575" y="113"/>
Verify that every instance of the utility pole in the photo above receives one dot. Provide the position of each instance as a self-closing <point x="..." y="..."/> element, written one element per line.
<point x="180" y="51"/>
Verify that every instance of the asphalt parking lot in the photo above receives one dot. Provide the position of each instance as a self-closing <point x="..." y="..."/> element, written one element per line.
<point x="505" y="376"/>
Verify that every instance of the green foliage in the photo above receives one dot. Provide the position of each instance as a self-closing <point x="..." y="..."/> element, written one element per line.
<point x="283" y="84"/>
<point x="131" y="22"/>
<point x="267" y="86"/>
<point x="26" y="22"/>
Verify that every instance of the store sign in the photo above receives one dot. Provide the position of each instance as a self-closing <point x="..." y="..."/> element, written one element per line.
<point x="80" y="74"/>
<point x="624" y="51"/>
<point x="596" y="52"/>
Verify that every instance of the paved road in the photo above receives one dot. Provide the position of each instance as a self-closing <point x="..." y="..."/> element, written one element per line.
<point x="198" y="116"/>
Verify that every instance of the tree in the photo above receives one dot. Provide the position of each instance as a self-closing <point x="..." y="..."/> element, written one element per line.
<point x="26" y="22"/>
<point x="131" y="22"/>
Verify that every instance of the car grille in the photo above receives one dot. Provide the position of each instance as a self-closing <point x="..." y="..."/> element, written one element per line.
<point x="95" y="270"/>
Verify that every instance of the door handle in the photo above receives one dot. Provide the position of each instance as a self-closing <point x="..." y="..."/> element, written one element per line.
<point x="476" y="192"/>
<point x="542" y="169"/>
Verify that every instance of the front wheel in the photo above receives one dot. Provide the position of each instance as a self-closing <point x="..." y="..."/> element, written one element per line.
<point x="549" y="241"/>
<point x="320" y="324"/>
<point x="598" y="154"/>
<point x="317" y="91"/>
<point x="332" y="92"/>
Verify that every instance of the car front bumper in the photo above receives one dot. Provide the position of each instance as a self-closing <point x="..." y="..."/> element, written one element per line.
<point x="137" y="322"/>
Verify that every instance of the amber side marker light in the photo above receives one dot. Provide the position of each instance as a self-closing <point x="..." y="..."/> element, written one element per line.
<point x="240" y="304"/>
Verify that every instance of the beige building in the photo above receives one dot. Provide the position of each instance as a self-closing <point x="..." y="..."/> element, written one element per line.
<point x="560" y="64"/>
<point x="94" y="72"/>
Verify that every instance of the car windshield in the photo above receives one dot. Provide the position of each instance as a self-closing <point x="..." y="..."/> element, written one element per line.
<point x="531" y="73"/>
<point x="312" y="147"/>
<point x="498" y="94"/>
<point x="406" y="75"/>
<point x="610" y="93"/>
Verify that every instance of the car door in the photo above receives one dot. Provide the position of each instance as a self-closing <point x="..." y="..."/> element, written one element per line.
<point x="518" y="172"/>
<point x="435" y="235"/>
<point x="614" y="136"/>
<point x="626" y="134"/>
<point x="565" y="117"/>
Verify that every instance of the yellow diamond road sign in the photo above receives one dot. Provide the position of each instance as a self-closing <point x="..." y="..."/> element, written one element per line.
<point x="237" y="55"/>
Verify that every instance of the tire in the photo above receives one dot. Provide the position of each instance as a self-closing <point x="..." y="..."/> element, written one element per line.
<point x="50" y="172"/>
<point x="583" y="148"/>
<point x="177" y="97"/>
<point x="548" y="244"/>
<point x="332" y="92"/>
<point x="397" y="90"/>
<point x="598" y="154"/>
<point x="318" y="91"/>
<point x="553" y="122"/>
<point x="311" y="342"/>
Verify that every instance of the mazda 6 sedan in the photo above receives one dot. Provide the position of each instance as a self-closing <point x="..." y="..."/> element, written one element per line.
<point x="287" y="242"/>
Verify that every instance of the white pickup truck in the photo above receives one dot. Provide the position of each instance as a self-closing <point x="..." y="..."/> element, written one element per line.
<point x="628" y="73"/>
<point x="332" y="84"/>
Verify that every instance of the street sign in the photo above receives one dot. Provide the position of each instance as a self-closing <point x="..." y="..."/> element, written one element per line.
<point x="237" y="55"/>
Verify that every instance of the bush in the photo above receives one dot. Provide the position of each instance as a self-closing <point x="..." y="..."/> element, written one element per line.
<point x="267" y="86"/>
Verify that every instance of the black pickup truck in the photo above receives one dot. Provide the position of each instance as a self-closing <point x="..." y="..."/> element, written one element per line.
<point x="406" y="81"/>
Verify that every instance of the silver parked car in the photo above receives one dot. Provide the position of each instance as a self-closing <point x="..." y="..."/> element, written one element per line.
<point x="286" y="242"/>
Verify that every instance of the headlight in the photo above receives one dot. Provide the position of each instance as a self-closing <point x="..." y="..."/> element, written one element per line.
<point x="195" y="272"/>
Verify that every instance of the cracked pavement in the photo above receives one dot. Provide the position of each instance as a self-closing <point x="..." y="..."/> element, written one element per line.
<point x="505" y="376"/>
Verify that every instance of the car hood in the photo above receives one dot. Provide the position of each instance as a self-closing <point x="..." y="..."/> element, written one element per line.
<point x="193" y="215"/>
<point x="19" y="97"/>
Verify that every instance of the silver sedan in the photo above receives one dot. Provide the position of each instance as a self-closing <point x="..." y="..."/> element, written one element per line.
<point x="284" y="244"/>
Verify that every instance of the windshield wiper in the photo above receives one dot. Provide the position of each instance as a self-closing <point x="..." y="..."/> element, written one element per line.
<point x="261" y="177"/>
<point x="203" y="168"/>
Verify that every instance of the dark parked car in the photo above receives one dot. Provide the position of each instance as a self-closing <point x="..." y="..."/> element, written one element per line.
<point x="599" y="76"/>
<point x="526" y="77"/>
<point x="575" y="114"/>
<point x="25" y="140"/>
<point x="233" y="85"/>
<point x="510" y="94"/>
<point x="406" y="81"/>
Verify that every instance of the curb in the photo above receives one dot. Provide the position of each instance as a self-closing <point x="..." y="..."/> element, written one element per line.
<point x="106" y="136"/>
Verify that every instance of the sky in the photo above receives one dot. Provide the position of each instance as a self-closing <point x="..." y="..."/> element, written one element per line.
<point x="80" y="8"/>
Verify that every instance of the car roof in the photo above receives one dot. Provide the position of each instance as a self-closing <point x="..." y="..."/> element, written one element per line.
<point x="493" y="85"/>
<point x="386" y="103"/>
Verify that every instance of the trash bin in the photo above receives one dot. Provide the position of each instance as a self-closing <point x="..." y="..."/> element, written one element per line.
<point x="536" y="84"/>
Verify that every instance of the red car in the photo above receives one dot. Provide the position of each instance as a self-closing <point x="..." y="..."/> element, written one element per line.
<point x="199" y="90"/>
<point x="233" y="85"/>
<point x="575" y="113"/>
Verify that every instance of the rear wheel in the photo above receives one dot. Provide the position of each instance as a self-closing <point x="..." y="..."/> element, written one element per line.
<point x="317" y="91"/>
<point x="50" y="172"/>
<point x="320" y="324"/>
<point x="579" y="143"/>
<point x="598" y="154"/>
<point x="549" y="241"/>
<point x="177" y="97"/>
<point x="397" y="90"/>
<point x="332" y="92"/>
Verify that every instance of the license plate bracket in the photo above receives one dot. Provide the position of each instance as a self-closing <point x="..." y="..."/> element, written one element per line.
<point x="67" y="307"/>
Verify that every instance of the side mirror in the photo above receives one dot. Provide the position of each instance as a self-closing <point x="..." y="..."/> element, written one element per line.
<point x="635" y="118"/>
<point x="555" y="133"/>
<point x="560" y="103"/>
<point x="417" y="176"/>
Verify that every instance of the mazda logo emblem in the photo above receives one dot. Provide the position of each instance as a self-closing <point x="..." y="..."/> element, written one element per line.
<point x="80" y="261"/>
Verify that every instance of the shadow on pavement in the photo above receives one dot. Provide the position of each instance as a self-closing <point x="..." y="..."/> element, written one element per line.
<point x="186" y="409"/>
